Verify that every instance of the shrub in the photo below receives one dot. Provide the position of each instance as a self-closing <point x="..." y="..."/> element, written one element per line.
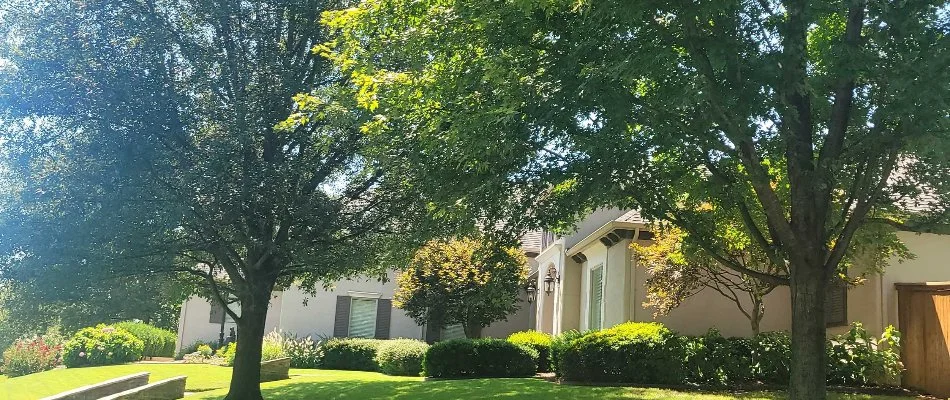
<point x="539" y="341"/>
<point x="101" y="345"/>
<point x="31" y="355"/>
<point x="479" y="358"/>
<point x="771" y="357"/>
<point x="713" y="359"/>
<point x="353" y="354"/>
<point x="273" y="348"/>
<point x="559" y="346"/>
<point x="632" y="352"/>
<point x="158" y="342"/>
<point x="401" y="357"/>
<point x="205" y="350"/>
<point x="856" y="358"/>
<point x="223" y="356"/>
<point x="303" y="352"/>
<point x="193" y="347"/>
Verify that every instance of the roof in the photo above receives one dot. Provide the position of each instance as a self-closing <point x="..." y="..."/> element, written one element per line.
<point x="632" y="216"/>
<point x="923" y="204"/>
<point x="531" y="242"/>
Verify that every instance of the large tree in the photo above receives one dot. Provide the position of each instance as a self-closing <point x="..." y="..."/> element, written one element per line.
<point x="469" y="281"/>
<point x="201" y="137"/>
<point x="807" y="119"/>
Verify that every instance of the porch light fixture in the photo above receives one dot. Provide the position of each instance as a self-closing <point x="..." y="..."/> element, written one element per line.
<point x="532" y="290"/>
<point x="550" y="279"/>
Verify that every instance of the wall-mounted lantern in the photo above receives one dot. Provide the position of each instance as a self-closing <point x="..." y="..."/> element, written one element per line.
<point x="550" y="279"/>
<point x="532" y="290"/>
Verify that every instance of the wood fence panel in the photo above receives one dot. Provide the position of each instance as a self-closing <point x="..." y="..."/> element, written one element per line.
<point x="924" y="317"/>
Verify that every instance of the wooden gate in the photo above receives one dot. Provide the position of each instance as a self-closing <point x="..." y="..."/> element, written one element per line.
<point x="924" y="318"/>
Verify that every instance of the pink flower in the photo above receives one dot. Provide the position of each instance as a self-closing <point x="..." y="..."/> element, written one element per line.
<point x="82" y="354"/>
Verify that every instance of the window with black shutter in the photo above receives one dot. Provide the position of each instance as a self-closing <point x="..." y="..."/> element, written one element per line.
<point x="836" y="304"/>
<point x="218" y="315"/>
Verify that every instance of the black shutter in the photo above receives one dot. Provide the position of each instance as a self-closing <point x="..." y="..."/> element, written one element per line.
<point x="341" y="323"/>
<point x="217" y="313"/>
<point x="384" y="312"/>
<point x="433" y="333"/>
<point x="836" y="304"/>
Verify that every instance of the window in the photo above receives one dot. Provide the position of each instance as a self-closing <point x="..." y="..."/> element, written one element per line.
<point x="836" y="304"/>
<point x="362" y="318"/>
<point x="596" y="304"/>
<point x="218" y="315"/>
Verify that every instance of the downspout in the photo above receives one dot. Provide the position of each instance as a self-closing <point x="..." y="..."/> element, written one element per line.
<point x="633" y="285"/>
<point x="603" y="288"/>
<point x="880" y="283"/>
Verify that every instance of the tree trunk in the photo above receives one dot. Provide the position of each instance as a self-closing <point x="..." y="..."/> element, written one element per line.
<point x="808" y="334"/>
<point x="246" y="375"/>
<point x="757" y="312"/>
<point x="472" y="331"/>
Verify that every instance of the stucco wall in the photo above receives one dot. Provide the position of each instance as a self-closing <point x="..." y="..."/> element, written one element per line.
<point x="625" y="293"/>
<point x="194" y="321"/>
<point x="312" y="314"/>
<point x="873" y="303"/>
<point x="306" y="314"/>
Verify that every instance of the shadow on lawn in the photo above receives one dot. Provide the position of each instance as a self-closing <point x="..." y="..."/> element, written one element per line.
<point x="520" y="389"/>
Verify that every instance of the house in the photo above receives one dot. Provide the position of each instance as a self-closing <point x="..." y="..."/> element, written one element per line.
<point x="359" y="307"/>
<point x="594" y="283"/>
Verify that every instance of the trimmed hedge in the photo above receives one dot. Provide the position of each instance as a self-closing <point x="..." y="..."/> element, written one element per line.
<point x="352" y="354"/>
<point x="630" y="353"/>
<point x="101" y="345"/>
<point x="158" y="342"/>
<point x="401" y="357"/>
<point x="539" y="341"/>
<point x="467" y="358"/>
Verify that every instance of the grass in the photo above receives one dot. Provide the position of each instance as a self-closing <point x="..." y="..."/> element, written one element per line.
<point x="35" y="386"/>
<point x="211" y="383"/>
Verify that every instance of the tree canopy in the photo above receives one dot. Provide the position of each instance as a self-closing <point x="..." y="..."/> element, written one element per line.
<point x="198" y="137"/>
<point x="468" y="281"/>
<point x="805" y="119"/>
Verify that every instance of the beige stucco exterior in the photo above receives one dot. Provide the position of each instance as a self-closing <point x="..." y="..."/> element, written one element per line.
<point x="304" y="314"/>
<point x="873" y="303"/>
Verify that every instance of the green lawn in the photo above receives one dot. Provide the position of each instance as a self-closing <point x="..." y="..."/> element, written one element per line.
<point x="211" y="383"/>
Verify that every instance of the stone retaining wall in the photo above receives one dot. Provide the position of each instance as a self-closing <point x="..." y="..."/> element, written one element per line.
<point x="168" y="389"/>
<point x="275" y="370"/>
<point x="103" y="389"/>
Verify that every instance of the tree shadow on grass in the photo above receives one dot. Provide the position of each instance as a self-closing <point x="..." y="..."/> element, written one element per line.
<point x="478" y="389"/>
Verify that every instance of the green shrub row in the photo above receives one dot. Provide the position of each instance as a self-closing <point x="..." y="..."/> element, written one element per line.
<point x="401" y="357"/>
<point x="391" y="357"/>
<point x="649" y="353"/>
<point x="353" y="354"/>
<point x="467" y="358"/>
<point x="158" y="342"/>
<point x="629" y="353"/>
